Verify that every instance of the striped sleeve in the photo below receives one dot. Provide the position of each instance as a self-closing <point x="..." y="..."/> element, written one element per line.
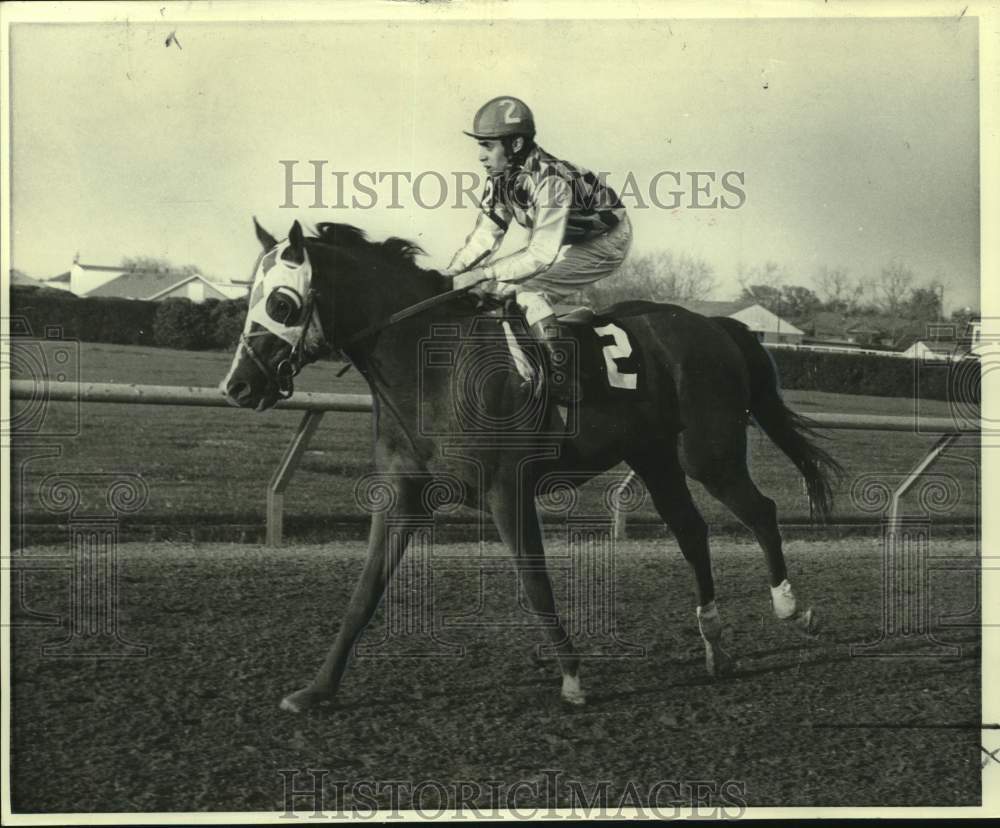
<point x="486" y="236"/>
<point x="552" y="200"/>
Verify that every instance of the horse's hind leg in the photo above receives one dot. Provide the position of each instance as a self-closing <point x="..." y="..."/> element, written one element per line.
<point x="516" y="519"/>
<point x="668" y="488"/>
<point x="730" y="483"/>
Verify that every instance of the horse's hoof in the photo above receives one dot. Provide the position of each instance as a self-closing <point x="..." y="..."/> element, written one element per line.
<point x="572" y="693"/>
<point x="808" y="623"/>
<point x="717" y="661"/>
<point x="300" y="701"/>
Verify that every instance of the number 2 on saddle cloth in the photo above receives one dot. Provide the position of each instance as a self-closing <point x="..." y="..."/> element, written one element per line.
<point x="609" y="362"/>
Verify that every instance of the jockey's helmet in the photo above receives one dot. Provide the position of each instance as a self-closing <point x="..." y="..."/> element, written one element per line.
<point x="501" y="118"/>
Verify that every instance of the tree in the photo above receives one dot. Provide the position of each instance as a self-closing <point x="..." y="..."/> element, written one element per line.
<point x="769" y="274"/>
<point x="923" y="304"/>
<point x="838" y="291"/>
<point x="768" y="296"/>
<point x="792" y="302"/>
<point x="799" y="303"/>
<point x="659" y="276"/>
<point x="962" y="319"/>
<point x="151" y="264"/>
<point x="763" y="284"/>
<point x="893" y="286"/>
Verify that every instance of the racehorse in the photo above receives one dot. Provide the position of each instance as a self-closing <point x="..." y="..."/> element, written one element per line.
<point x="701" y="381"/>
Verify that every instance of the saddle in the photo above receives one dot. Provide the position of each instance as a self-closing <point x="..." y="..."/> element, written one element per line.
<point x="601" y="349"/>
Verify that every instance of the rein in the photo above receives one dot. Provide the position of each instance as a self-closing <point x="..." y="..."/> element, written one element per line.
<point x="405" y="313"/>
<point x="289" y="368"/>
<point x="413" y="310"/>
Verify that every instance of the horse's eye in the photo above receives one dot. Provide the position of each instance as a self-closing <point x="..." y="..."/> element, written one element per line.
<point x="284" y="306"/>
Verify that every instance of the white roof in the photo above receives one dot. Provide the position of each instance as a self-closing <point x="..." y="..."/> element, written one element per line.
<point x="758" y="318"/>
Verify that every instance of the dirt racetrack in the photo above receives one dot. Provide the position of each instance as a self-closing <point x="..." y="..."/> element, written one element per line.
<point x="194" y="725"/>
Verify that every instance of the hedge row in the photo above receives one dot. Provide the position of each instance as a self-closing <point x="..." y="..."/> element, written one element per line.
<point x="172" y="323"/>
<point x="880" y="376"/>
<point x="122" y="321"/>
<point x="181" y="323"/>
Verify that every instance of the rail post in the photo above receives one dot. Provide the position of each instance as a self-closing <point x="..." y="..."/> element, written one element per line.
<point x="283" y="474"/>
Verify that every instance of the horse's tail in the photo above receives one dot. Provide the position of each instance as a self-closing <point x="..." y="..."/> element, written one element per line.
<point x="793" y="433"/>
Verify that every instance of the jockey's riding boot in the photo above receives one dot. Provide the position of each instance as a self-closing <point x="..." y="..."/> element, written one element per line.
<point x="558" y="368"/>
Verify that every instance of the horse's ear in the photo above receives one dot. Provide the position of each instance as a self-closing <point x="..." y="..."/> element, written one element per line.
<point x="266" y="240"/>
<point x="296" y="245"/>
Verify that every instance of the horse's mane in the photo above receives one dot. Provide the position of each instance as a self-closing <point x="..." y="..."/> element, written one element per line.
<point x="394" y="250"/>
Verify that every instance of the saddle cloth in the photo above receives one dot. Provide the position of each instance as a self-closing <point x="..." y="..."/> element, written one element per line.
<point x="609" y="361"/>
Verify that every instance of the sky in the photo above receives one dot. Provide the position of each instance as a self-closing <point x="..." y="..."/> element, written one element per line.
<point x="857" y="140"/>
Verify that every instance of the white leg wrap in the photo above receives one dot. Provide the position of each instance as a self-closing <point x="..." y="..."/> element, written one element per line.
<point x="571" y="690"/>
<point x="709" y="622"/>
<point x="783" y="600"/>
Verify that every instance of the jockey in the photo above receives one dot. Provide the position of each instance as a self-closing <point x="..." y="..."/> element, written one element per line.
<point x="579" y="230"/>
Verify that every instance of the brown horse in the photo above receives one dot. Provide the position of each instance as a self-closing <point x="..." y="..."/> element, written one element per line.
<point x="673" y="400"/>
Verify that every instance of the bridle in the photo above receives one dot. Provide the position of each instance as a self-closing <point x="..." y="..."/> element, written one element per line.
<point x="283" y="375"/>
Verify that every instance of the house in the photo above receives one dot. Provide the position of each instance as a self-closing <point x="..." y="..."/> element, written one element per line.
<point x="934" y="349"/>
<point x="104" y="280"/>
<point x="973" y="333"/>
<point x="769" y="327"/>
<point x="22" y="279"/>
<point x="829" y="327"/>
<point x="868" y="332"/>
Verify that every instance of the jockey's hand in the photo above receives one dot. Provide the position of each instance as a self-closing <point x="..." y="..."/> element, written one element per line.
<point x="470" y="277"/>
<point x="484" y="289"/>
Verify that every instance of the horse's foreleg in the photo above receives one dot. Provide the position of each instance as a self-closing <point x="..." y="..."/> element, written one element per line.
<point x="384" y="553"/>
<point x="521" y="531"/>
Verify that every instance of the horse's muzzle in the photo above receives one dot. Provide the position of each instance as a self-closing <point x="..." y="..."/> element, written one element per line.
<point x="240" y="393"/>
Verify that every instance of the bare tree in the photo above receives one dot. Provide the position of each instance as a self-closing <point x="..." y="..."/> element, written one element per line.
<point x="893" y="286"/>
<point x="659" y="276"/>
<point x="767" y="275"/>
<point x="838" y="290"/>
